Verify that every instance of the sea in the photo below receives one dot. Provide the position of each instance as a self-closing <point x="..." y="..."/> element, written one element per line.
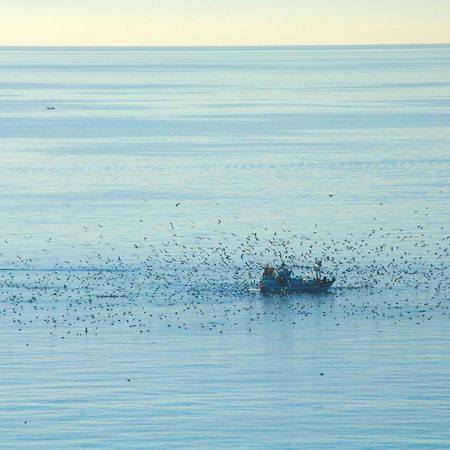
<point x="142" y="191"/>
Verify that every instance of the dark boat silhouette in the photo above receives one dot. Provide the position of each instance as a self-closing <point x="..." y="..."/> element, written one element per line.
<point x="281" y="281"/>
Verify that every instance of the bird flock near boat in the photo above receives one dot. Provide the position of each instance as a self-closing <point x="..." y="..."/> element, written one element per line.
<point x="208" y="281"/>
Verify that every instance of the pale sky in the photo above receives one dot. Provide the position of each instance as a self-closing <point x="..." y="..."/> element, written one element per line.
<point x="223" y="22"/>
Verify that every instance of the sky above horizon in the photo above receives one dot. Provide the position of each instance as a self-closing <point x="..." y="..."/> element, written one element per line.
<point x="224" y="22"/>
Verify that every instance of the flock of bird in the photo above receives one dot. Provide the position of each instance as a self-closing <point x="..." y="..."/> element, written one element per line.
<point x="209" y="282"/>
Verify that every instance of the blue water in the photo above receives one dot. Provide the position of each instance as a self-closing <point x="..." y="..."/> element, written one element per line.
<point x="136" y="216"/>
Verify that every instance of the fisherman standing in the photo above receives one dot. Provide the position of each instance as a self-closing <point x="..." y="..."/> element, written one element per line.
<point x="318" y="268"/>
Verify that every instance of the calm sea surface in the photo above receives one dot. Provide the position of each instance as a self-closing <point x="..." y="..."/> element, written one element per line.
<point x="141" y="190"/>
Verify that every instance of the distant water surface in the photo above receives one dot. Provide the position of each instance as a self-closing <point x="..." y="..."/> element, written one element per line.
<point x="107" y="151"/>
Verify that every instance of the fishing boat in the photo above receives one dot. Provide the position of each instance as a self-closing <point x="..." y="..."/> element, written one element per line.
<point x="282" y="281"/>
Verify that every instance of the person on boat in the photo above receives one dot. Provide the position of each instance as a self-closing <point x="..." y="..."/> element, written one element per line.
<point x="317" y="268"/>
<point x="269" y="271"/>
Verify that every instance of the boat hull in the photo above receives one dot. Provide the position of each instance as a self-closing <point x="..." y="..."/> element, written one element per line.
<point x="310" y="287"/>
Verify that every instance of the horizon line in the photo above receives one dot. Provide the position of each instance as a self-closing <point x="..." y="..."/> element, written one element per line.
<point x="248" y="46"/>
